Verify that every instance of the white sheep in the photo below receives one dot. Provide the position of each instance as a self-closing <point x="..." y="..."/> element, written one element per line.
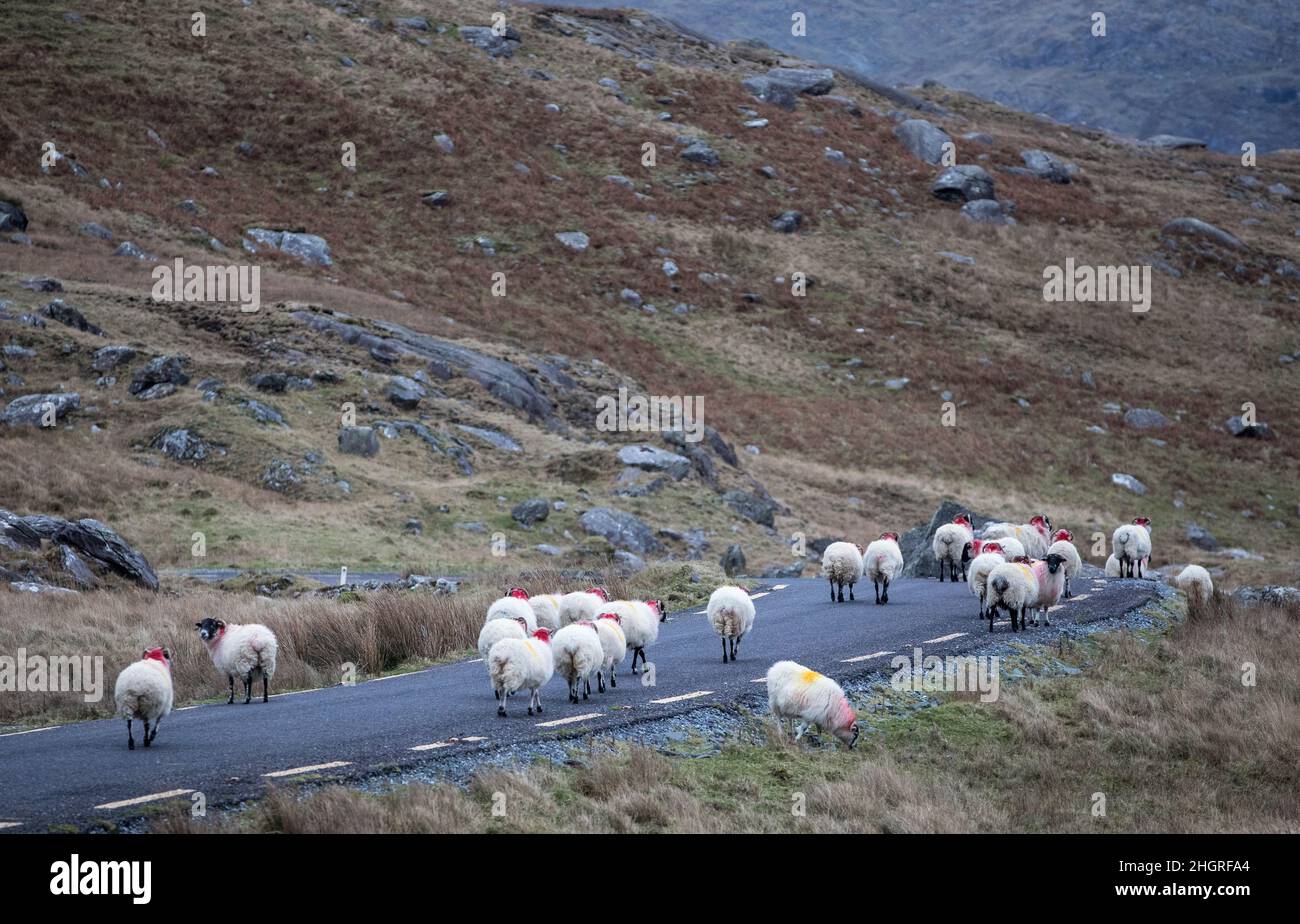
<point x="991" y="555"/>
<point x="1011" y="586"/>
<point x="242" y="651"/>
<point x="494" y="630"/>
<point x="582" y="605"/>
<point x="951" y="546"/>
<point x="640" y="623"/>
<point x="808" y="698"/>
<point x="521" y="664"/>
<point x="1063" y="545"/>
<point x="882" y="562"/>
<point x="1050" y="575"/>
<point x="731" y="613"/>
<point x="144" y="691"/>
<point x="546" y="610"/>
<point x="1195" y="582"/>
<point x="1011" y="546"/>
<point x="578" y="655"/>
<point x="514" y="605"/>
<point x="1131" y="546"/>
<point x="613" y="642"/>
<point x="842" y="566"/>
<point x="1034" y="535"/>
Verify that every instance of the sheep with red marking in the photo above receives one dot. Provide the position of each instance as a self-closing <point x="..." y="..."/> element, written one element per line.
<point x="546" y="609"/>
<point x="1034" y="535"/>
<point x="613" y="643"/>
<point x="640" y="621"/>
<point x="990" y="556"/>
<point x="494" y="630"/>
<point x="1063" y="545"/>
<point x="514" y="605"/>
<point x="516" y="664"/>
<point x="842" y="566"/>
<point x="951" y="546"/>
<point x="144" y="691"/>
<point x="1050" y="575"/>
<point x="244" y="651"/>
<point x="731" y="613"/>
<point x="1131" y="546"/>
<point x="1011" y="586"/>
<point x="808" y="698"/>
<point x="582" y="605"/>
<point x="578" y="655"/>
<point x="882" y="562"/>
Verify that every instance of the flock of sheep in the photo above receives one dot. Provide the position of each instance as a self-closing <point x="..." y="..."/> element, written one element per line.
<point x="1022" y="569"/>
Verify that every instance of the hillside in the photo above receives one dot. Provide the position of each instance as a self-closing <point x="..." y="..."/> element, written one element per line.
<point x="180" y="145"/>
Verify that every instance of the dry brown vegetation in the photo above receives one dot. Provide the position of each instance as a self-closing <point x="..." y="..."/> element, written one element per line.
<point x="1162" y="724"/>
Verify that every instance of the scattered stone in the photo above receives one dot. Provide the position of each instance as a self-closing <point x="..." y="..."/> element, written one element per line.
<point x="42" y="284"/>
<point x="963" y="183"/>
<point x="309" y="248"/>
<point x="574" y="240"/>
<point x="65" y="314"/>
<point x="128" y="249"/>
<point x="497" y="46"/>
<point x="1174" y="142"/>
<point x="699" y="152"/>
<point x="280" y="476"/>
<point x="1129" y="482"/>
<point x="108" y="358"/>
<point x="1200" y="230"/>
<point x="273" y="382"/>
<point x="93" y="229"/>
<point x="444" y="143"/>
<point x="1259" y="430"/>
<point x="1201" y="537"/>
<point x="183" y="445"/>
<point x="528" y="512"/>
<point x="649" y="458"/>
<point x="404" y="392"/>
<point x="358" y="441"/>
<point x="12" y="217"/>
<point x="30" y="410"/>
<point x="733" y="561"/>
<point x="263" y="413"/>
<point x="1045" y="166"/>
<point x="494" y="438"/>
<point x="788" y="222"/>
<point x="925" y="140"/>
<point x="760" y="510"/>
<point x="154" y="392"/>
<point x="1145" y="418"/>
<point x="438" y="198"/>
<point x="622" y="530"/>
<point x="987" y="211"/>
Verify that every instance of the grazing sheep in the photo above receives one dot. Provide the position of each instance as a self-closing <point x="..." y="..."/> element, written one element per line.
<point x="808" y="698"/>
<point x="990" y="556"/>
<point x="243" y="651"/>
<point x="1131" y="546"/>
<point x="951" y="546"/>
<point x="1063" y="545"/>
<point x="1195" y="582"/>
<point x="640" y="623"/>
<point x="842" y="566"/>
<point x="882" y="562"/>
<point x="1011" y="586"/>
<point x="578" y="655"/>
<point x="514" y="605"/>
<point x="521" y="664"/>
<point x="494" y="630"/>
<point x="582" y="605"/>
<point x="731" y="613"/>
<point x="546" y="609"/>
<point x="1050" y="574"/>
<point x="613" y="642"/>
<point x="1032" y="535"/>
<point x="144" y="691"/>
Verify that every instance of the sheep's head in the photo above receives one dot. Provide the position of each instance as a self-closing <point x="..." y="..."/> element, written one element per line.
<point x="861" y="550"/>
<point x="1042" y="521"/>
<point x="1063" y="535"/>
<point x="518" y="593"/>
<point x="967" y="550"/>
<point x="1144" y="522"/>
<point x="523" y="622"/>
<point x="600" y="592"/>
<point x="543" y="635"/>
<point x="892" y="537"/>
<point x="210" y="629"/>
<point x="158" y="654"/>
<point x="614" y="616"/>
<point x="990" y="546"/>
<point x="963" y="519"/>
<point x="659" y="607"/>
<point x="1022" y="559"/>
<point x="1054" y="562"/>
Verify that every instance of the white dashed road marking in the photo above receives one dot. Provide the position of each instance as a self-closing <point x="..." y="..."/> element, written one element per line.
<point x="154" y="797"/>
<point x="10" y="824"/>
<point x="570" y="720"/>
<point x="759" y="680"/>
<point x="878" y="654"/>
<point x="446" y="744"/>
<point x="943" y="638"/>
<point x="761" y="593"/>
<point x="296" y="770"/>
<point x="30" y="731"/>
<point x="780" y="586"/>
<point x="676" y="699"/>
<point x="1080" y="597"/>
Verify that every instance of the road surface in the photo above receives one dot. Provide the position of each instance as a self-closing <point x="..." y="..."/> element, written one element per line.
<point x="82" y="773"/>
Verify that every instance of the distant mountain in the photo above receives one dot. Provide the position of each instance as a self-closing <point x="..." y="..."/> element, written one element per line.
<point x="1225" y="71"/>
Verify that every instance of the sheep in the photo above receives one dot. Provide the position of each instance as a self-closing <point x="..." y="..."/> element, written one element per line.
<point x="808" y="698"/>
<point x="1050" y="574"/>
<point x="1063" y="545"/>
<point x="882" y="562"/>
<point x="1112" y="566"/>
<point x="521" y="664"/>
<point x="1011" y="586"/>
<point x="578" y="655"/>
<point x="1131" y="546"/>
<point x="842" y="566"/>
<point x="241" y="650"/>
<point x="144" y="691"/>
<point x="514" y="605"/>
<point x="494" y="630"/>
<point x="1032" y="535"/>
<point x="639" y="621"/>
<point x="731" y="613"/>
<point x="950" y="545"/>
<point x="991" y="555"/>
<point x="546" y="610"/>
<point x="582" y="604"/>
<point x="1010" y="545"/>
<point x="1195" y="582"/>
<point x="613" y="643"/>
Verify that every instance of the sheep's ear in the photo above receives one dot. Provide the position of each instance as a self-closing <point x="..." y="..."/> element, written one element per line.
<point x="145" y="653"/>
<point x="221" y="624"/>
<point x="167" y="653"/>
<point x="198" y="625"/>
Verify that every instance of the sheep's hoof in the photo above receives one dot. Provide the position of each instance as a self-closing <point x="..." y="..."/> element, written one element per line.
<point x="501" y="711"/>
<point x="613" y="681"/>
<point x="130" y="745"/>
<point x="530" y="710"/>
<point x="539" y="708"/>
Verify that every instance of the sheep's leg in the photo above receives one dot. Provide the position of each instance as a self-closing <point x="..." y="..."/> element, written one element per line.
<point x="1139" y="567"/>
<point x="248" y="688"/>
<point x="1047" y="620"/>
<point x="841" y="591"/>
<point x="586" y="687"/>
<point x="147" y="739"/>
<point x="613" y="675"/>
<point x="724" y="649"/>
<point x="851" y="592"/>
<point x="884" y="597"/>
<point x="232" y="689"/>
<point x="600" y="681"/>
<point x="501" y="704"/>
<point x="1067" y="587"/>
<point x="941" y="571"/>
<point x="156" y="723"/>
<point x="537" y="697"/>
<point x="831" y="581"/>
<point x="130" y="739"/>
<point x="875" y="585"/>
<point x="266" y="688"/>
<point x="735" y="647"/>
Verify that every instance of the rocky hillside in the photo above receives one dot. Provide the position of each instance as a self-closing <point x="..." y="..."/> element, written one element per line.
<point x="440" y="316"/>
<point x="1222" y="73"/>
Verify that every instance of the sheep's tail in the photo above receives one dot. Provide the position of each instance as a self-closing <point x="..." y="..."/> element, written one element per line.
<point x="502" y="670"/>
<point x="129" y="705"/>
<point x="730" y="620"/>
<point x="1000" y="584"/>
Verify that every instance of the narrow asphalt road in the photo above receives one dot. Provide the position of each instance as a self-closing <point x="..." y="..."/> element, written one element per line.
<point x="82" y="773"/>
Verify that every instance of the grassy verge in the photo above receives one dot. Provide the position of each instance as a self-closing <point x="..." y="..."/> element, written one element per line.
<point x="1159" y="723"/>
<point x="379" y="633"/>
